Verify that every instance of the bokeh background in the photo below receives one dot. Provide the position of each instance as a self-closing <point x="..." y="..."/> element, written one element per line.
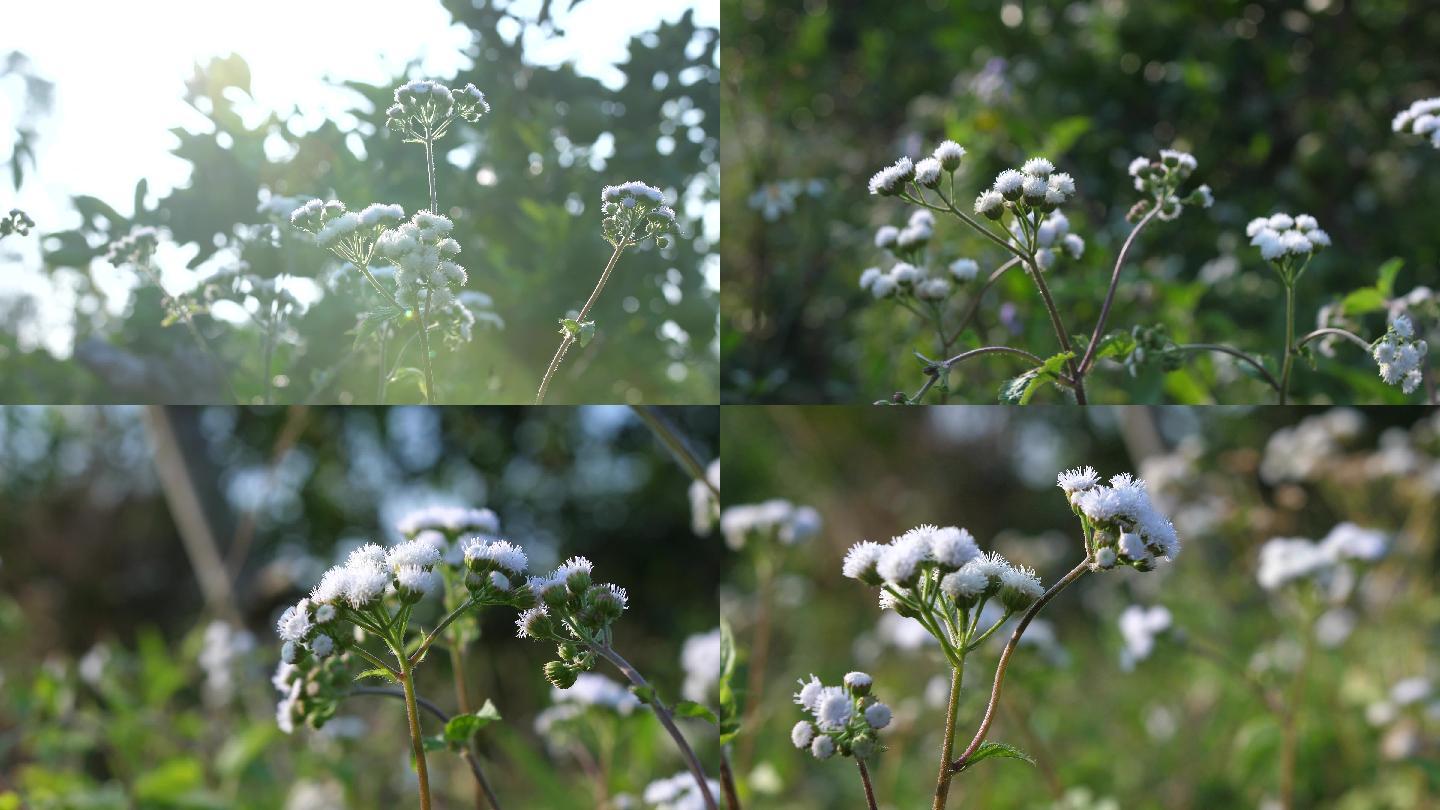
<point x="111" y="694"/>
<point x="215" y="118"/>
<point x="1286" y="105"/>
<point x="1179" y="730"/>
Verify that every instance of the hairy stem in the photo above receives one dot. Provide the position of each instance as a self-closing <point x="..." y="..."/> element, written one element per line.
<point x="417" y="743"/>
<point x="1110" y="294"/>
<point x="1289" y="341"/>
<point x="942" y="782"/>
<point x="566" y="340"/>
<point x="1039" y="278"/>
<point x="865" y="780"/>
<point x="1064" y="582"/>
<point x="662" y="713"/>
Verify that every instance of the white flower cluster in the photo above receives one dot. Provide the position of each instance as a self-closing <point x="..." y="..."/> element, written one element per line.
<point x="1127" y="528"/>
<point x="451" y="520"/>
<point x="1052" y="238"/>
<point x="1421" y="118"/>
<point x="1281" y="236"/>
<point x="569" y="606"/>
<point x="891" y="180"/>
<point x="910" y="275"/>
<point x="1034" y="187"/>
<point x="678" y="792"/>
<point x="1306" y="450"/>
<point x="350" y="235"/>
<point x="1415" y="694"/>
<point x="769" y="521"/>
<point x="843" y="719"/>
<point x="1284" y="560"/>
<point x="704" y="506"/>
<point x="1139" y="628"/>
<point x="424" y="110"/>
<point x="135" y="247"/>
<point x="1160" y="180"/>
<point x="1400" y="355"/>
<point x="635" y="212"/>
<point x="423" y="254"/>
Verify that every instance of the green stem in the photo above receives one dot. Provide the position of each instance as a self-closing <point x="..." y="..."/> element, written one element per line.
<point x="1289" y="339"/>
<point x="942" y="782"/>
<point x="430" y="396"/>
<point x="585" y="310"/>
<point x="407" y="679"/>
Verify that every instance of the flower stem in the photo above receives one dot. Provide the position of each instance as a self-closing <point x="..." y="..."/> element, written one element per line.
<point x="1110" y="294"/>
<point x="1039" y="278"/>
<point x="727" y="783"/>
<point x="430" y="174"/>
<point x="663" y="714"/>
<point x="942" y="782"/>
<point x="1289" y="340"/>
<point x="430" y="397"/>
<point x="865" y="780"/>
<point x="1064" y="582"/>
<point x="407" y="679"/>
<point x="585" y="310"/>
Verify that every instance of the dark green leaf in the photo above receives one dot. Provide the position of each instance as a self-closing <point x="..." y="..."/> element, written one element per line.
<point x="992" y="750"/>
<point x="689" y="708"/>
<point x="464" y="726"/>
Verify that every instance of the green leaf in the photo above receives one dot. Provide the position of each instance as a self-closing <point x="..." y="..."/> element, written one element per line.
<point x="464" y="726"/>
<point x="410" y="373"/>
<point x="992" y="750"/>
<point x="141" y="189"/>
<point x="1363" y="301"/>
<point x="570" y="328"/>
<point x="729" y="697"/>
<point x="587" y="333"/>
<point x="646" y="693"/>
<point x="689" y="708"/>
<point x="1020" y="390"/>
<point x="433" y="743"/>
<point x="1385" y="282"/>
<point x="383" y="674"/>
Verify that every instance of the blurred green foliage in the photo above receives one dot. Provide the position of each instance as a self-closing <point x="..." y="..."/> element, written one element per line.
<point x="103" y="702"/>
<point x="1287" y="107"/>
<point x="523" y="186"/>
<point x="1179" y="730"/>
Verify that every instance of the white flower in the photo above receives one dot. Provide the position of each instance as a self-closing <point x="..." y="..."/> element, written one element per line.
<point x="1403" y="326"/>
<point x="371" y="554"/>
<point x="808" y="697"/>
<point x="867" y="278"/>
<point x="1305" y="222"/>
<point x="802" y="734"/>
<point x="1009" y="183"/>
<point x="322" y="645"/>
<point x="1074" y="246"/>
<point x="952" y="547"/>
<point x="1038" y="167"/>
<point x="1349" y="541"/>
<point x="529" y="623"/>
<point x="1034" y="188"/>
<point x="294" y="622"/>
<point x="964" y="269"/>
<point x="1286" y="559"/>
<point x="965" y="584"/>
<point x="900" y="563"/>
<point x="886" y="235"/>
<point x="858" y="682"/>
<point x="499" y="553"/>
<point x="700" y="658"/>
<point x="883" y="287"/>
<point x="949" y="154"/>
<point x="1078" y="479"/>
<point x="822" y="747"/>
<point x="927" y="172"/>
<point x="679" y="792"/>
<point x="933" y="289"/>
<point x="416" y="580"/>
<point x="891" y="180"/>
<point x="833" y="710"/>
<point x="364" y="584"/>
<point x="412" y="553"/>
<point x="990" y="203"/>
<point x="862" y="559"/>
<point x="877" y="715"/>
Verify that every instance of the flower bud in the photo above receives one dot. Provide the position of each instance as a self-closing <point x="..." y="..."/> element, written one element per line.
<point x="560" y="675"/>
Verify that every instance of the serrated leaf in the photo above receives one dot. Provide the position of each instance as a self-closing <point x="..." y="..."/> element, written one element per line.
<point x="689" y="708"/>
<point x="383" y="674"/>
<point x="994" y="750"/>
<point x="464" y="726"/>
<point x="1020" y="390"/>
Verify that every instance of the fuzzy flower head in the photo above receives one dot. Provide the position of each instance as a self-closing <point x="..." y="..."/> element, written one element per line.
<point x="1420" y="119"/>
<point x="423" y="255"/>
<point x="1052" y="239"/>
<point x="890" y="181"/>
<point x="773" y="521"/>
<point x="1124" y="520"/>
<point x="840" y="720"/>
<point x="424" y="110"/>
<point x="350" y="235"/>
<point x="1400" y="355"/>
<point x="1287" y="242"/>
<point x="1160" y="179"/>
<point x="635" y="212"/>
<point x="452" y="521"/>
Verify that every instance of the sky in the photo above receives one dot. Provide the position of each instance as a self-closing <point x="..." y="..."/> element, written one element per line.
<point x="105" y="132"/>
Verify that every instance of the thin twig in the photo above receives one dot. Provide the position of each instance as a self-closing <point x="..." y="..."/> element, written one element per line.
<point x="974" y="308"/>
<point x="568" y="338"/>
<point x="1110" y="294"/>
<point x="675" y="443"/>
<point x="1350" y="336"/>
<point x="1064" y="582"/>
<point x="1217" y="347"/>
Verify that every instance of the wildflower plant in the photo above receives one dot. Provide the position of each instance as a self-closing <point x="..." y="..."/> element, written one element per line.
<point x="843" y="720"/>
<point x="1022" y="215"/>
<point x="940" y="577"/>
<point x="634" y="214"/>
<point x="1421" y="119"/>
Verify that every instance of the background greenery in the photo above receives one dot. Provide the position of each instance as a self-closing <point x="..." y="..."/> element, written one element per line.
<point x="531" y="240"/>
<point x="1287" y="106"/>
<point x="1178" y="731"/>
<point x="93" y="560"/>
